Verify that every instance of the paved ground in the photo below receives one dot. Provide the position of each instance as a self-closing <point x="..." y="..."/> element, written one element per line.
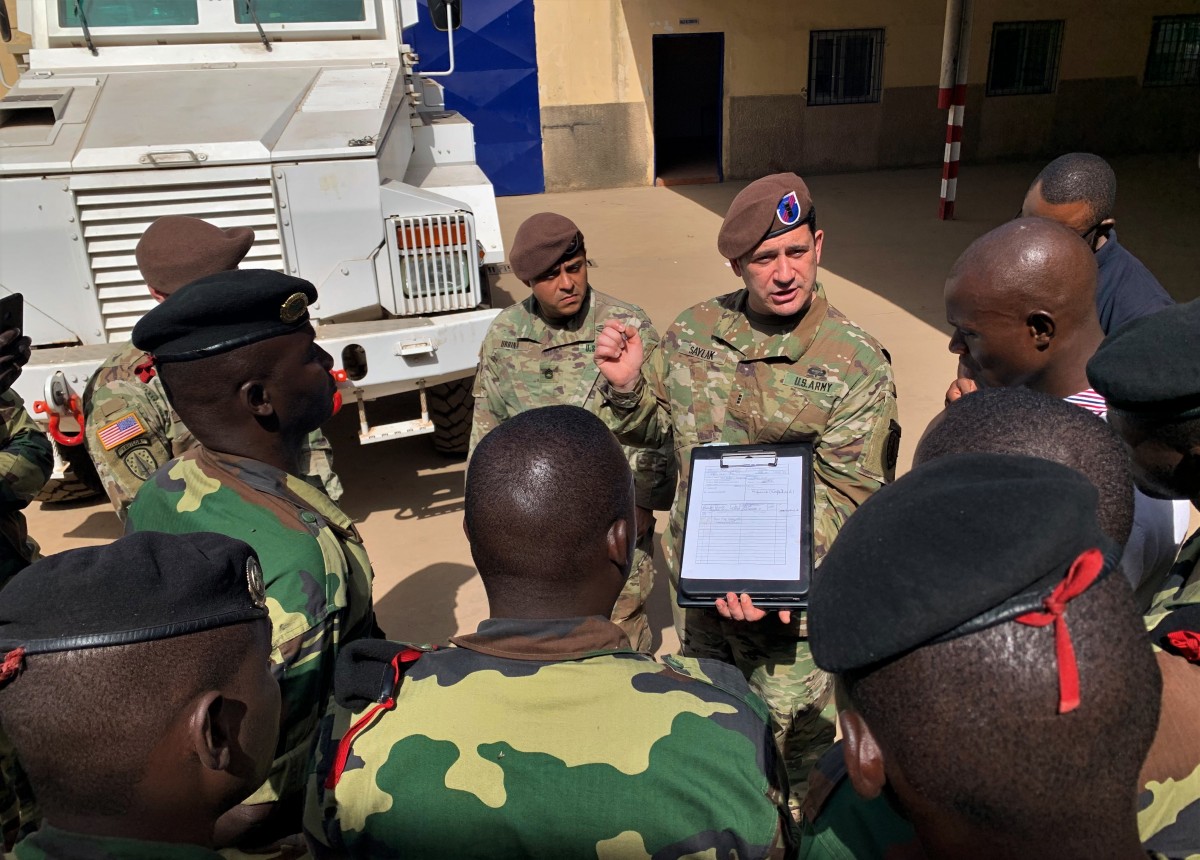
<point x="884" y="264"/>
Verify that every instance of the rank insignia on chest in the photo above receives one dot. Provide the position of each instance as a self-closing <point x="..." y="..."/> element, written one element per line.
<point x="815" y="372"/>
<point x="126" y="427"/>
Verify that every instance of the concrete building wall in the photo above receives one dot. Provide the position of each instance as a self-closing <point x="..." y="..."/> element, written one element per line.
<point x="595" y="58"/>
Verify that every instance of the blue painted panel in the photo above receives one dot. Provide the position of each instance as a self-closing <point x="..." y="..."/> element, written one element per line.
<point x="494" y="85"/>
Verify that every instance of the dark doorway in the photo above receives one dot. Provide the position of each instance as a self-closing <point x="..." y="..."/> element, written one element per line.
<point x="687" y="108"/>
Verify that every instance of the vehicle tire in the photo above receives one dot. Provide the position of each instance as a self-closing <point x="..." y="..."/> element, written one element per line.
<point x="450" y="408"/>
<point x="80" y="482"/>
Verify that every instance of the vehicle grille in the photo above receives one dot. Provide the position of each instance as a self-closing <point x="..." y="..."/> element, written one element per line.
<point x="115" y="209"/>
<point x="435" y="264"/>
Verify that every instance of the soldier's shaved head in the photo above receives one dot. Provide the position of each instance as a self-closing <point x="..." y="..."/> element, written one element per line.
<point x="1022" y="301"/>
<point x="549" y="514"/>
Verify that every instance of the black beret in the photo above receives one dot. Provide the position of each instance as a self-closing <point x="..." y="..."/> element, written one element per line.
<point x="1152" y="364"/>
<point x="957" y="545"/>
<point x="764" y="209"/>
<point x="223" y="312"/>
<point x="140" y="588"/>
<point x="541" y="241"/>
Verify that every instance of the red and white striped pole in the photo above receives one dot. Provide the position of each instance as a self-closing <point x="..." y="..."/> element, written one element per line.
<point x="952" y="96"/>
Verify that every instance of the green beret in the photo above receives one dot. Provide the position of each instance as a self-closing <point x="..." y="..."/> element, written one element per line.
<point x="223" y="312"/>
<point x="959" y="544"/>
<point x="1152" y="364"/>
<point x="140" y="588"/>
<point x="541" y="241"/>
<point x="177" y="249"/>
<point x="764" y="209"/>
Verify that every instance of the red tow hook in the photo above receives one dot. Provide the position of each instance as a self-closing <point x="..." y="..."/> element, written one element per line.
<point x="42" y="408"/>
<point x="340" y="377"/>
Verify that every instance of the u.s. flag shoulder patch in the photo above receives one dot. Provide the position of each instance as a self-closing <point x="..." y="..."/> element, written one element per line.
<point x="126" y="427"/>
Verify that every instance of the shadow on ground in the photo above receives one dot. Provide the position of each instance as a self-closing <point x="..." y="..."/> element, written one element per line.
<point x="420" y="607"/>
<point x="883" y="234"/>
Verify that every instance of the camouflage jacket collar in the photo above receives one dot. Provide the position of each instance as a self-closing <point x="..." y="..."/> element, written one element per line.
<point x="49" y="841"/>
<point x="733" y="328"/>
<point x="276" y="482"/>
<point x="546" y="640"/>
<point x="580" y="328"/>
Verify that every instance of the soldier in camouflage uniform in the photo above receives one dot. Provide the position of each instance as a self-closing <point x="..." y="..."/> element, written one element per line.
<point x="539" y="353"/>
<point x="772" y="363"/>
<point x="130" y="427"/>
<point x="995" y="674"/>
<point x="237" y="353"/>
<point x="135" y="685"/>
<point x="1149" y="372"/>
<point x="544" y="734"/>
<point x="25" y="463"/>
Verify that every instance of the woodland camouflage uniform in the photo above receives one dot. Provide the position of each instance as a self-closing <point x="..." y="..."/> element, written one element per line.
<point x="716" y="378"/>
<point x="127" y="384"/>
<point x="316" y="571"/>
<point x="525" y="363"/>
<point x="550" y="739"/>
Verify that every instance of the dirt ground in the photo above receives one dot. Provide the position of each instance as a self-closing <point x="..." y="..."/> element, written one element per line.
<point x="885" y="260"/>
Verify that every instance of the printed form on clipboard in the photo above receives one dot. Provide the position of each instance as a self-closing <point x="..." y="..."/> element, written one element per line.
<point x="749" y="525"/>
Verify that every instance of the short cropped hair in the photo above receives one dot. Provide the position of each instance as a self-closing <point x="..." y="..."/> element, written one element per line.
<point x="1080" y="176"/>
<point x="84" y="722"/>
<point x="1023" y="421"/>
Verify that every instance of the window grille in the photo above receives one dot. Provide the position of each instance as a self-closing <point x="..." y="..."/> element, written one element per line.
<point x="844" y="66"/>
<point x="1174" y="56"/>
<point x="1024" y="58"/>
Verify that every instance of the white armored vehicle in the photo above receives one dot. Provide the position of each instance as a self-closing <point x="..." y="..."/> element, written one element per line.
<point x="303" y="119"/>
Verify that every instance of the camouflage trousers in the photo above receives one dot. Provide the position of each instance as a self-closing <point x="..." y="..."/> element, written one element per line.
<point x="778" y="664"/>
<point x="629" y="612"/>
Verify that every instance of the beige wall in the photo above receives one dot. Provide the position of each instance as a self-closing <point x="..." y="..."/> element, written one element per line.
<point x="596" y="78"/>
<point x="20" y="42"/>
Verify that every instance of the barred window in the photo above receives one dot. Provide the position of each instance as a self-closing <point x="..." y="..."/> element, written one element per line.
<point x="1024" y="58"/>
<point x="1174" y="57"/>
<point x="844" y="66"/>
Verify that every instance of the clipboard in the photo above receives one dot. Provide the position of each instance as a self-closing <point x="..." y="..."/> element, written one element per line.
<point x="748" y="526"/>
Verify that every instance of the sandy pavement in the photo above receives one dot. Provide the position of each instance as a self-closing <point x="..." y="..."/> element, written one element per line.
<point x="885" y="259"/>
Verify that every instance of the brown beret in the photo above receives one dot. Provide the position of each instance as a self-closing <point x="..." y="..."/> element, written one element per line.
<point x="541" y="241"/>
<point x="176" y="250"/>
<point x="765" y="208"/>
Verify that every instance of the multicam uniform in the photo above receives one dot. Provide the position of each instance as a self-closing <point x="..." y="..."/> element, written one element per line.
<point x="316" y="571"/>
<point x="526" y="363"/>
<point x="1169" y="804"/>
<point x="25" y="463"/>
<point x="505" y="747"/>
<point x="718" y="378"/>
<point x="131" y="429"/>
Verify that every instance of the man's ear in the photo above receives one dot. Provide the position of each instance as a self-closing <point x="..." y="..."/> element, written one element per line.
<point x="864" y="758"/>
<point x="257" y="400"/>
<point x="620" y="547"/>
<point x="209" y="732"/>
<point x="736" y="265"/>
<point x="158" y="295"/>
<point x="1041" y="327"/>
<point x="818" y="244"/>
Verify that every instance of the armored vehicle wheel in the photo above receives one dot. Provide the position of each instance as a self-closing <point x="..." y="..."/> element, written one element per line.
<point x="450" y="407"/>
<point x="79" y="482"/>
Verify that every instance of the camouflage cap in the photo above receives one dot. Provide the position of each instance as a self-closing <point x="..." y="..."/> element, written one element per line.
<point x="541" y="241"/>
<point x="140" y="588"/>
<point x="1152" y="364"/>
<point x="1015" y="536"/>
<point x="764" y="209"/>
<point x="224" y="312"/>
<point x="177" y="249"/>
